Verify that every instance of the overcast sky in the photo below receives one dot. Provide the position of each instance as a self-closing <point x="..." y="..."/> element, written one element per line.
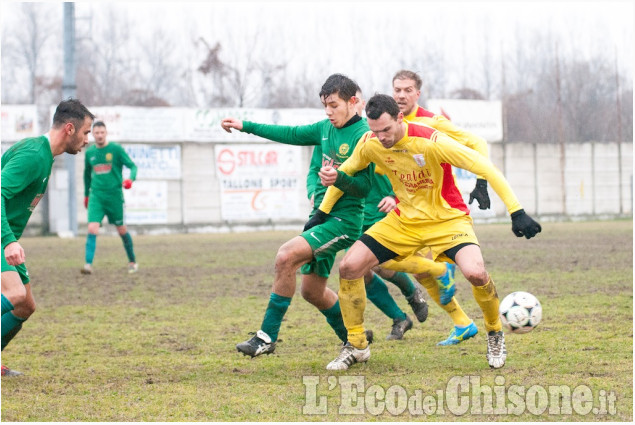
<point x="353" y="36"/>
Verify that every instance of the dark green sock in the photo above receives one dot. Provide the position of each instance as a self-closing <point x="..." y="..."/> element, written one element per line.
<point x="334" y="319"/>
<point x="91" y="245"/>
<point x="6" y="305"/>
<point x="127" y="243"/>
<point x="11" y="325"/>
<point x="377" y="293"/>
<point x="404" y="283"/>
<point x="276" y="310"/>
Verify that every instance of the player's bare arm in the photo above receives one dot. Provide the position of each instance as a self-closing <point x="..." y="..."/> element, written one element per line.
<point x="229" y="123"/>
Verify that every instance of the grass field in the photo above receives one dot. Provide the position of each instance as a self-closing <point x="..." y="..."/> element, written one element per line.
<point x="159" y="345"/>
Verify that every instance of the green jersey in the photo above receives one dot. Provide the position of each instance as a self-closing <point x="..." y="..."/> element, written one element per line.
<point x="336" y="145"/>
<point x="103" y="169"/>
<point x="380" y="188"/>
<point x="26" y="168"/>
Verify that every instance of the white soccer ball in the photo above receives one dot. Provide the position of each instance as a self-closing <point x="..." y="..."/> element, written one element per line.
<point x="520" y="312"/>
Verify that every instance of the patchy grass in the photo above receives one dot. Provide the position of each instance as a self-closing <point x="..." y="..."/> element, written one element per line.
<point x="159" y="345"/>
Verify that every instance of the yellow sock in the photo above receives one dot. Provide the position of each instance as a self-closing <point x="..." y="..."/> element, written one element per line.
<point x="452" y="308"/>
<point x="487" y="298"/>
<point x="416" y="264"/>
<point x="352" y="295"/>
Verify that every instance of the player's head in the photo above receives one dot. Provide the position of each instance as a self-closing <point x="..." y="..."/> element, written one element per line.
<point x="406" y="89"/>
<point x="100" y="133"/>
<point x="360" y="103"/>
<point x="73" y="120"/>
<point x="385" y="119"/>
<point x="338" y="97"/>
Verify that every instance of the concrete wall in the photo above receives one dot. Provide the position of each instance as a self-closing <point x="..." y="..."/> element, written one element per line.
<point x="592" y="187"/>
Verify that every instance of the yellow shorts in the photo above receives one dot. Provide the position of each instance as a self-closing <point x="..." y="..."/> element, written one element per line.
<point x="437" y="237"/>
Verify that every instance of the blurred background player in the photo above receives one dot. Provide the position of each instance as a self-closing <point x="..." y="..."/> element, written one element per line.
<point x="378" y="203"/>
<point x="431" y="214"/>
<point x="313" y="251"/>
<point x="103" y="194"/>
<point x="26" y="167"/>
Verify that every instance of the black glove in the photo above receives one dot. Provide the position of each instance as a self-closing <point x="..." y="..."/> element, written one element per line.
<point x="318" y="218"/>
<point x="480" y="194"/>
<point x="523" y="225"/>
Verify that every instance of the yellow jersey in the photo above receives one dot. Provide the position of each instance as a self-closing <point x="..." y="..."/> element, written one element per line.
<point x="419" y="167"/>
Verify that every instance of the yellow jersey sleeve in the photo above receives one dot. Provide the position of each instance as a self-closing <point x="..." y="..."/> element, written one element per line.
<point x="444" y="125"/>
<point x="352" y="165"/>
<point x="448" y="150"/>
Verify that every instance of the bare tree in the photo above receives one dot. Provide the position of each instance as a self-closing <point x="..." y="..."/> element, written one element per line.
<point x="27" y="46"/>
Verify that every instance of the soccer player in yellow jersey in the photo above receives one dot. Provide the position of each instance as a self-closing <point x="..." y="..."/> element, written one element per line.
<point x="431" y="213"/>
<point x="406" y="87"/>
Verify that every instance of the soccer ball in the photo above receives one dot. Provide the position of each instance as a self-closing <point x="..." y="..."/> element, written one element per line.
<point x="520" y="312"/>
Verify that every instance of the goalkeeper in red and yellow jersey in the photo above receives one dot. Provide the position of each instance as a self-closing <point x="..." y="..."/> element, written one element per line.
<point x="431" y="213"/>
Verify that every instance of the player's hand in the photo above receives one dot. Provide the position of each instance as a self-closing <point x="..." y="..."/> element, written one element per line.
<point x="85" y="201"/>
<point x="127" y="184"/>
<point x="318" y="218"/>
<point x="480" y="194"/>
<point x="328" y="175"/>
<point x="387" y="204"/>
<point x="523" y="225"/>
<point x="229" y="123"/>
<point x="14" y="254"/>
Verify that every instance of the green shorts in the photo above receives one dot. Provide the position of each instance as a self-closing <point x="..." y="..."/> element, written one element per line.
<point x="326" y="241"/>
<point x="20" y="269"/>
<point x="111" y="207"/>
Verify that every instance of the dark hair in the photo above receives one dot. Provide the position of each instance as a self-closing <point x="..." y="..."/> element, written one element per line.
<point x="404" y="74"/>
<point x="71" y="110"/>
<point x="340" y="84"/>
<point x="99" y="124"/>
<point x="380" y="103"/>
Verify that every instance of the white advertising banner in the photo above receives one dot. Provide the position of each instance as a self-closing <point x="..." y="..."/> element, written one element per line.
<point x="481" y="117"/>
<point x="260" y="182"/>
<point x="18" y="122"/>
<point x="169" y="124"/>
<point x="146" y="202"/>
<point x="204" y="124"/>
<point x="133" y="124"/>
<point x="156" y="162"/>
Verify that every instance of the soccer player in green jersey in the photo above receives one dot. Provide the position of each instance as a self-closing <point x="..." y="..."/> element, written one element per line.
<point x="103" y="194"/>
<point x="26" y="168"/>
<point x="378" y="203"/>
<point x="314" y="251"/>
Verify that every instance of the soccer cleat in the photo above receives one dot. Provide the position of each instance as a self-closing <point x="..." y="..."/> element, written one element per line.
<point x="133" y="268"/>
<point x="496" y="351"/>
<point x="399" y="327"/>
<point x="258" y="344"/>
<point x="460" y="334"/>
<point x="419" y="305"/>
<point x="87" y="269"/>
<point x="446" y="284"/>
<point x="8" y="372"/>
<point x="349" y="356"/>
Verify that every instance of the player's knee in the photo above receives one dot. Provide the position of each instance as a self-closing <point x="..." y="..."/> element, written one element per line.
<point x="351" y="269"/>
<point x="419" y="276"/>
<point x="25" y="309"/>
<point x="477" y="277"/>
<point x="93" y="228"/>
<point x="17" y="296"/>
